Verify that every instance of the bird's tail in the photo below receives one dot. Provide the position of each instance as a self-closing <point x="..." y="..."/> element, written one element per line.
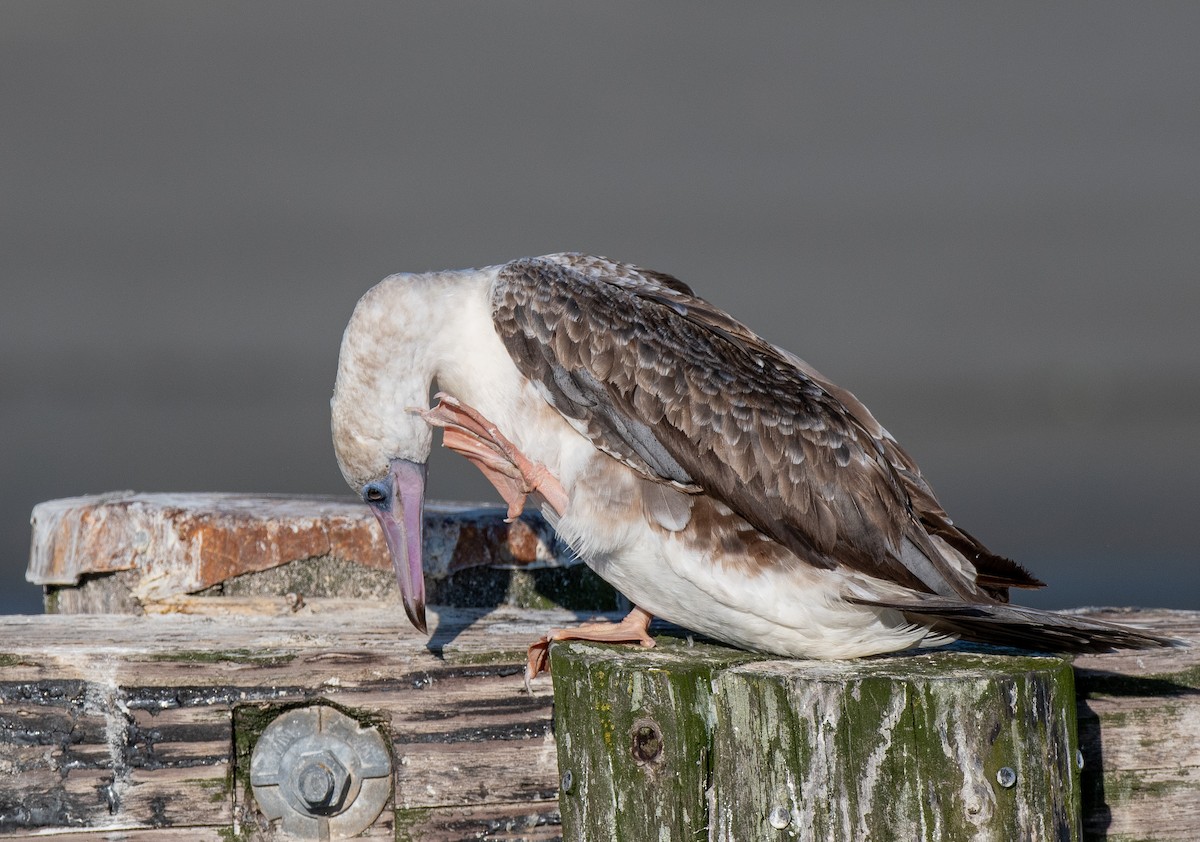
<point x="1025" y="628"/>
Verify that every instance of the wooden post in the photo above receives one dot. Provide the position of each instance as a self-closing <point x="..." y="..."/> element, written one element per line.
<point x="634" y="732"/>
<point x="701" y="742"/>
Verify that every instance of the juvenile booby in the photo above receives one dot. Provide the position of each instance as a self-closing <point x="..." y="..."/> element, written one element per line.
<point x="716" y="480"/>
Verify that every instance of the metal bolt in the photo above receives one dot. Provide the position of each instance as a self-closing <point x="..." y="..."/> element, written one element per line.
<point x="779" y="817"/>
<point x="1078" y="759"/>
<point x="320" y="773"/>
<point x="316" y="786"/>
<point x="321" y="782"/>
<point x="1006" y="777"/>
<point x="568" y="781"/>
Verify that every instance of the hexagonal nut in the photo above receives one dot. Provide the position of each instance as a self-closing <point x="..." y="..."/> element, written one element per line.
<point x="320" y="782"/>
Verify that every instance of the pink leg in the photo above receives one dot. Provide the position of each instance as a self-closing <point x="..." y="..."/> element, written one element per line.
<point x="512" y="473"/>
<point x="633" y="629"/>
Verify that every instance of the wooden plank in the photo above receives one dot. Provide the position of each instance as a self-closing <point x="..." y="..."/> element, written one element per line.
<point x="133" y="834"/>
<point x="533" y="821"/>
<point x="174" y="544"/>
<point x="1138" y="717"/>
<point x="111" y="723"/>
<point x="1139" y="728"/>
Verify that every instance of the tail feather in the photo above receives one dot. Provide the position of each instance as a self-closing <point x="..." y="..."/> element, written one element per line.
<point x="1025" y="628"/>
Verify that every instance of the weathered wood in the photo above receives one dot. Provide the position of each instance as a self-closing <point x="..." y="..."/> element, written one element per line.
<point x="907" y="747"/>
<point x="496" y="823"/>
<point x="124" y="725"/>
<point x="114" y="723"/>
<point x="157" y="834"/>
<point x="129" y="553"/>
<point x="146" y="704"/>
<point x="634" y="738"/>
<point x="928" y="747"/>
<point x="880" y="749"/>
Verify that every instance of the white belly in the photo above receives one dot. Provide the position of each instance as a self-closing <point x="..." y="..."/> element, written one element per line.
<point x="796" y="612"/>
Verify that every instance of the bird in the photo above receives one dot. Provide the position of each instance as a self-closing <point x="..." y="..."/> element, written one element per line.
<point x="717" y="481"/>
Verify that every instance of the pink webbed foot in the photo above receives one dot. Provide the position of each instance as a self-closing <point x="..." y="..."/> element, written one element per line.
<point x="634" y="628"/>
<point x="510" y="471"/>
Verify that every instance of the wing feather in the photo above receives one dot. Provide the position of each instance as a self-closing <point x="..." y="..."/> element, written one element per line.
<point x="684" y="394"/>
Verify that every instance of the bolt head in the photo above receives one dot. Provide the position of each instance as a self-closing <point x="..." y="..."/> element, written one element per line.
<point x="1006" y="777"/>
<point x="316" y="786"/>
<point x="568" y="781"/>
<point x="297" y="756"/>
<point x="779" y="818"/>
<point x="322" y="782"/>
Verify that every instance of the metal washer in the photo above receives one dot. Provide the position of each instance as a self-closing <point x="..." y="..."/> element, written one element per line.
<point x="320" y="773"/>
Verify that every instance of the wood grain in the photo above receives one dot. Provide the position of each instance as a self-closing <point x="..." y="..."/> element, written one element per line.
<point x="114" y="722"/>
<point x="1139" y="729"/>
<point x="689" y="742"/>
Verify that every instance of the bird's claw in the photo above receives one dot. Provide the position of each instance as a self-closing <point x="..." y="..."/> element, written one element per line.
<point x="633" y="628"/>
<point x="537" y="661"/>
<point x="511" y="472"/>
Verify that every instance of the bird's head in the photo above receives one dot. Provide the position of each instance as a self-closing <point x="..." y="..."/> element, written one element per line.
<point x="385" y="369"/>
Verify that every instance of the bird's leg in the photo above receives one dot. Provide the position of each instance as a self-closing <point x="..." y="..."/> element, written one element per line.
<point x="633" y="629"/>
<point x="512" y="473"/>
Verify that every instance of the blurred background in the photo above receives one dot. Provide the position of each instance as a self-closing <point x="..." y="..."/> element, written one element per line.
<point x="983" y="220"/>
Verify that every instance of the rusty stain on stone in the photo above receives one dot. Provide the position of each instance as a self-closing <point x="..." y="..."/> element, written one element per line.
<point x="182" y="543"/>
<point x="522" y="542"/>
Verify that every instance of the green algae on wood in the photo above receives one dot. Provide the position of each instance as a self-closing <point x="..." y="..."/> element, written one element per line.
<point x="230" y="656"/>
<point x="937" y="746"/>
<point x="945" y="745"/>
<point x="634" y="734"/>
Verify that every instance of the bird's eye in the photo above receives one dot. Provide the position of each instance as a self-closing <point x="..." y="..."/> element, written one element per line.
<point x="373" y="494"/>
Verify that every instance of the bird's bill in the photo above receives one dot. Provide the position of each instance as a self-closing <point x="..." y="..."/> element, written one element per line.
<point x="402" y="529"/>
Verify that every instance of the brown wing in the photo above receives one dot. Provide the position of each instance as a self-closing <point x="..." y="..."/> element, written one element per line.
<point x="684" y="394"/>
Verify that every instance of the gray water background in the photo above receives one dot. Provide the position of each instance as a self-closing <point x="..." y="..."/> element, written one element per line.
<point x="982" y="219"/>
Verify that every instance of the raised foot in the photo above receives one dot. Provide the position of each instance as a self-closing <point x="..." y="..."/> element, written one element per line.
<point x="514" y="475"/>
<point x="634" y="628"/>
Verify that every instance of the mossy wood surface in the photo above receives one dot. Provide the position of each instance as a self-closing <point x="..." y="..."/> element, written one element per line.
<point x="930" y="747"/>
<point x="120" y="724"/>
<point x="904" y="748"/>
<point x="634" y="732"/>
